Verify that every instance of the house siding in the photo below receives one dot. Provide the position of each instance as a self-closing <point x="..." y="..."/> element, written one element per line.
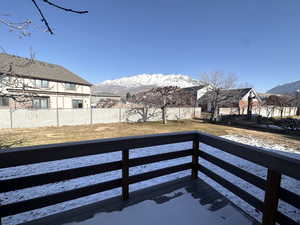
<point x="59" y="96"/>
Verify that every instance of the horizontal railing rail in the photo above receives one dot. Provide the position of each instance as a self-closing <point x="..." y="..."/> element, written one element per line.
<point x="276" y="164"/>
<point x="262" y="157"/>
<point x="46" y="153"/>
<point x="37" y="154"/>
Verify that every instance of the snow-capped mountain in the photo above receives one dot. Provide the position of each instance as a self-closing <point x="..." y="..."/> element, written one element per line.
<point x="288" y="88"/>
<point x="143" y="82"/>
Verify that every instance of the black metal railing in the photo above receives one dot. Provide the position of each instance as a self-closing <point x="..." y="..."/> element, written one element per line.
<point x="275" y="163"/>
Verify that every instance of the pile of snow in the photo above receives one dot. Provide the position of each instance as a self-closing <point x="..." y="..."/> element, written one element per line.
<point x="154" y="80"/>
<point x="28" y="193"/>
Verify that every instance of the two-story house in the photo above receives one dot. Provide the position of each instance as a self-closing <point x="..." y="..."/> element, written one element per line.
<point x="51" y="86"/>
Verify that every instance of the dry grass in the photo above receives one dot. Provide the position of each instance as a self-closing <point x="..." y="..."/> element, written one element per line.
<point x="48" y="135"/>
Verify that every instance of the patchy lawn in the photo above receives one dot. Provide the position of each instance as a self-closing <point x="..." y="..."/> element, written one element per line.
<point x="48" y="135"/>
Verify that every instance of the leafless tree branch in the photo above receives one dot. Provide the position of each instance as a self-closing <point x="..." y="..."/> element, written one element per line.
<point x="20" y="26"/>
<point x="216" y="82"/>
<point x="44" y="20"/>
<point x="66" y="9"/>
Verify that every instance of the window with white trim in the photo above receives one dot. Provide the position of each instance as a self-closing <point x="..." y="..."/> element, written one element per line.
<point x="70" y="86"/>
<point x="41" y="83"/>
<point x="40" y="103"/>
<point x="77" y="104"/>
<point x="4" y="101"/>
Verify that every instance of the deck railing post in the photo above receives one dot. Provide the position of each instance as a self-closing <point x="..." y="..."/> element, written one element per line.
<point x="271" y="197"/>
<point x="195" y="157"/>
<point x="125" y="174"/>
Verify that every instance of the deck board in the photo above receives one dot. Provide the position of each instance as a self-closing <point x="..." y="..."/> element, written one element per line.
<point x="183" y="201"/>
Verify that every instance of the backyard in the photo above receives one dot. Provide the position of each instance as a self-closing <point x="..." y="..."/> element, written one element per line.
<point x="288" y="145"/>
<point x="50" y="135"/>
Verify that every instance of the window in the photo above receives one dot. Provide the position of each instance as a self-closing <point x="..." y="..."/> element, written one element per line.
<point x="70" y="86"/>
<point x="77" y="104"/>
<point x="41" y="103"/>
<point x="41" y="83"/>
<point x="4" y="101"/>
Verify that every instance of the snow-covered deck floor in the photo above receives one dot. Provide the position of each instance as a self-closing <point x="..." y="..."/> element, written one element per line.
<point x="176" y="202"/>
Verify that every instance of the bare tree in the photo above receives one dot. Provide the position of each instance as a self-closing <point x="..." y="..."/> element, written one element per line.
<point x="161" y="97"/>
<point x="278" y="102"/>
<point x="144" y="113"/>
<point x="145" y="104"/>
<point x="295" y="101"/>
<point x="9" y="78"/>
<point x="107" y="103"/>
<point x="166" y="96"/>
<point x="185" y="98"/>
<point x="22" y="27"/>
<point x="245" y="85"/>
<point x="13" y="85"/>
<point x="216" y="82"/>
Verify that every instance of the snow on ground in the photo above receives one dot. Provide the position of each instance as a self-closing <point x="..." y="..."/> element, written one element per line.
<point x="28" y="193"/>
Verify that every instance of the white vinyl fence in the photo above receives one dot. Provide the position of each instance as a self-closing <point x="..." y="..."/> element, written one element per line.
<point x="267" y="111"/>
<point x="24" y="118"/>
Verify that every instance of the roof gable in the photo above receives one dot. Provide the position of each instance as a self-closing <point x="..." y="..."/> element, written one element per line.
<point x="38" y="70"/>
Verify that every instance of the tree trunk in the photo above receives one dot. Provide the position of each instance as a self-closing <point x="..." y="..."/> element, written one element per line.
<point x="212" y="115"/>
<point x="249" y="108"/>
<point x="164" y="115"/>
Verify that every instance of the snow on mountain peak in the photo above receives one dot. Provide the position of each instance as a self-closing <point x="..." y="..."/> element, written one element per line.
<point x="159" y="80"/>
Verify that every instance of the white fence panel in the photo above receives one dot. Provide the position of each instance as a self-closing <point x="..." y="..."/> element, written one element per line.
<point x="106" y="115"/>
<point x="23" y="118"/>
<point x="5" y="118"/>
<point x="74" y="117"/>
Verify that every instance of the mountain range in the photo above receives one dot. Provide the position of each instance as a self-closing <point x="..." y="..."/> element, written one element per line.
<point x="288" y="88"/>
<point x="144" y="82"/>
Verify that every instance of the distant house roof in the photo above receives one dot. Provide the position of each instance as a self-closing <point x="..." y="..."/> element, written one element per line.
<point x="194" y="88"/>
<point x="288" y="99"/>
<point x="105" y="94"/>
<point x="266" y="95"/>
<point x="227" y="98"/>
<point x="38" y="70"/>
<point x="236" y="93"/>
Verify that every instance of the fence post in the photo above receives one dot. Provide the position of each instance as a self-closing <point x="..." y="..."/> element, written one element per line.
<point x="57" y="117"/>
<point x="195" y="157"/>
<point x="271" y="197"/>
<point x="11" y="124"/>
<point x="91" y="115"/>
<point x="125" y="174"/>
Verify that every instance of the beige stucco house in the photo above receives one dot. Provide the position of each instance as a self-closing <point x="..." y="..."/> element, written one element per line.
<point x="49" y="86"/>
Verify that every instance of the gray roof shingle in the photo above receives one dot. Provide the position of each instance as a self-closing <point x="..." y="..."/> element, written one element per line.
<point x="39" y="70"/>
<point x="194" y="88"/>
<point x="227" y="98"/>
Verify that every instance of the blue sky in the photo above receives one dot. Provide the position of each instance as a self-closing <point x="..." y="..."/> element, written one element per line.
<point x="257" y="40"/>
